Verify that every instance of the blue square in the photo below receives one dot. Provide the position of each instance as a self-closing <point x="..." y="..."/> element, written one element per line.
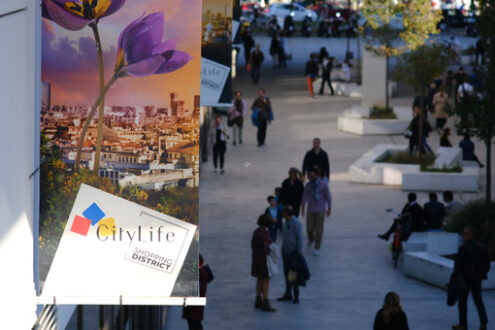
<point x="93" y="213"/>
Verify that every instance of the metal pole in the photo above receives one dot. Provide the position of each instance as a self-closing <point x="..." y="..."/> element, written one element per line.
<point x="80" y="317"/>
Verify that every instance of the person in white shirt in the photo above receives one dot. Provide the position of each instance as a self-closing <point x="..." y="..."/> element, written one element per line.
<point x="464" y="89"/>
<point x="345" y="71"/>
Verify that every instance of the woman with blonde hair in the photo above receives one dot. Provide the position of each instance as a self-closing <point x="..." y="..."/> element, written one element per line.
<point x="391" y="316"/>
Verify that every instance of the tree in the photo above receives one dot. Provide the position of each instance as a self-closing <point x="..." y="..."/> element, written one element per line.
<point x="419" y="67"/>
<point x="391" y="38"/>
<point x="477" y="114"/>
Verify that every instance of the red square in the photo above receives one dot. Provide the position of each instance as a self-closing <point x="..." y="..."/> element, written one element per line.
<point x="80" y="225"/>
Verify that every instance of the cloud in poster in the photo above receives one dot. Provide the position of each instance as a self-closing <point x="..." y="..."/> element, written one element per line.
<point x="70" y="63"/>
<point x="68" y="56"/>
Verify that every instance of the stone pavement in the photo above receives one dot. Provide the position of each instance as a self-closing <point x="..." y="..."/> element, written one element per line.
<point x="354" y="272"/>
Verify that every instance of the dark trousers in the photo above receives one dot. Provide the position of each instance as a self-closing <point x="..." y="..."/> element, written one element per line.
<point x="255" y="74"/>
<point x="262" y="131"/>
<point x="475" y="288"/>
<point x="289" y="287"/>
<point x="392" y="228"/>
<point x="281" y="58"/>
<point x="441" y="122"/>
<point x="323" y="80"/>
<point x="219" y="152"/>
<point x="194" y="325"/>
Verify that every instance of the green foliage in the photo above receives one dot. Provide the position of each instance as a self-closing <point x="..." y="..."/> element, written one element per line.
<point x="418" y="18"/>
<point x="419" y="67"/>
<point x="444" y="169"/>
<point x="472" y="214"/>
<point x="378" y="112"/>
<point x="405" y="157"/>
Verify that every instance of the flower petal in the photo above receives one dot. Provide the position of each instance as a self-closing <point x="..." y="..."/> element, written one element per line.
<point x="138" y="43"/>
<point x="116" y="5"/>
<point x="125" y="31"/>
<point x="146" y="67"/>
<point x="155" y="23"/>
<point x="174" y="61"/>
<point x="54" y="11"/>
<point x="164" y="46"/>
<point x="139" y="38"/>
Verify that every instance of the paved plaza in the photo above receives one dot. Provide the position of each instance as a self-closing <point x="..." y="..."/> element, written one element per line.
<point x="354" y="271"/>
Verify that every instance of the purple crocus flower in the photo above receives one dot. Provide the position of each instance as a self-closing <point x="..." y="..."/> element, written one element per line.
<point x="141" y="51"/>
<point x="76" y="14"/>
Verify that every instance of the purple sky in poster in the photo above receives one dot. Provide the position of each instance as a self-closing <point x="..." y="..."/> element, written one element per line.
<point x="70" y="63"/>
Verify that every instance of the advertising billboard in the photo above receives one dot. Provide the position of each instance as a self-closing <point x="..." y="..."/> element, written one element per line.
<point x="120" y="147"/>
<point x="216" y="53"/>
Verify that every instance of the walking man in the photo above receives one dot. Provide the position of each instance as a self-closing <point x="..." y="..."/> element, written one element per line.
<point x="255" y="61"/>
<point x="319" y="200"/>
<point x="326" y="66"/>
<point x="316" y="157"/>
<point x="471" y="267"/>
<point x="291" y="246"/>
<point x="263" y="104"/>
<point x="311" y="73"/>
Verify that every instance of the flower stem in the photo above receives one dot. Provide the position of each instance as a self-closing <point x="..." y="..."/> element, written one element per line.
<point x="101" y="69"/>
<point x="90" y="115"/>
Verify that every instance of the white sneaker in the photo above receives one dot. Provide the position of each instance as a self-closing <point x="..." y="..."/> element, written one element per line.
<point x="316" y="252"/>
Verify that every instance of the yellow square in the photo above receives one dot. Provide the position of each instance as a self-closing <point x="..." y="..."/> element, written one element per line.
<point x="106" y="227"/>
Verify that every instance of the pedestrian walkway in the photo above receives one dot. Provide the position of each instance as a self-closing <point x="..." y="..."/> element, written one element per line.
<point x="354" y="271"/>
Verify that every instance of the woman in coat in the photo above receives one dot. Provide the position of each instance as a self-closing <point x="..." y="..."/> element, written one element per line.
<point x="391" y="316"/>
<point x="292" y="190"/>
<point x="440" y="103"/>
<point x="260" y="245"/>
<point x="194" y="314"/>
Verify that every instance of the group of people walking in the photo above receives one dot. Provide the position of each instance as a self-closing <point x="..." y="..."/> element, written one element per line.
<point x="324" y="63"/>
<point x="281" y="218"/>
<point x="218" y="134"/>
<point x="444" y="93"/>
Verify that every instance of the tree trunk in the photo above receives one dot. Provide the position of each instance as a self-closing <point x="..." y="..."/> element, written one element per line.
<point x="386" y="84"/>
<point x="420" y="123"/>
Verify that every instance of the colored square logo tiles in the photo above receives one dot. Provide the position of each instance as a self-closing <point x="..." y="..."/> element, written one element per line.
<point x="80" y="225"/>
<point x="106" y="227"/>
<point x="94" y="213"/>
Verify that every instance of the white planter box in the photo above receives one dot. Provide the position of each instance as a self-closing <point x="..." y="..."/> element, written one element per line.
<point x="435" y="269"/>
<point x="367" y="169"/>
<point x="352" y="121"/>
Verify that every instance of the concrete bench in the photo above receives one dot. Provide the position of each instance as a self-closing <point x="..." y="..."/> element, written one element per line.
<point x="355" y="120"/>
<point x="368" y="169"/>
<point x="435" y="269"/>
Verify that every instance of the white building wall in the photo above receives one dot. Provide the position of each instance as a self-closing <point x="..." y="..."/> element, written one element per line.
<point x="18" y="135"/>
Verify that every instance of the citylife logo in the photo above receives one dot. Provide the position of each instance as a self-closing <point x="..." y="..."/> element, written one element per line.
<point x="107" y="231"/>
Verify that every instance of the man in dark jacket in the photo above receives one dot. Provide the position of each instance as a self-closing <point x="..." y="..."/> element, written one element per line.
<point x="263" y="104"/>
<point x="255" y="61"/>
<point x="416" y="221"/>
<point x="472" y="265"/>
<point x="311" y="72"/>
<point x="434" y="212"/>
<point x="316" y="157"/>
<point x="414" y="128"/>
